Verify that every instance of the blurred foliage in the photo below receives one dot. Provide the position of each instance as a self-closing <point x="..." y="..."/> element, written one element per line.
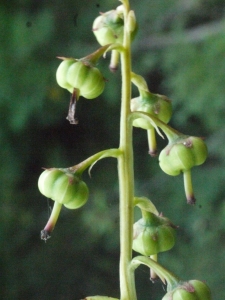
<point x="180" y="50"/>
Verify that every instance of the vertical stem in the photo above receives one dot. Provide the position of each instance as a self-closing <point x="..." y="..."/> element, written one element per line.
<point x="126" y="174"/>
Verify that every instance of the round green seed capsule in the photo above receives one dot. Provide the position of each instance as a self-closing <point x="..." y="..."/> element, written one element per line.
<point x="153" y="234"/>
<point x="191" y="290"/>
<point x="61" y="74"/>
<point x="108" y="27"/>
<point x="157" y="105"/>
<point x="73" y="74"/>
<point x="183" y="155"/>
<point x="64" y="188"/>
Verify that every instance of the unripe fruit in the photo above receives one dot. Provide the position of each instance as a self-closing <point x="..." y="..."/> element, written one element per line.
<point x="108" y="27"/>
<point x="63" y="187"/>
<point x="157" y="234"/>
<point x="183" y="155"/>
<point x="157" y="105"/>
<point x="73" y="74"/>
<point x="191" y="290"/>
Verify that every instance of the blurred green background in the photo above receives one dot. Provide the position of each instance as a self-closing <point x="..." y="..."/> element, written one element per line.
<point x="180" y="49"/>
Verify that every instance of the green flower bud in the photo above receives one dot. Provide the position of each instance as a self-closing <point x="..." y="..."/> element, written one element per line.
<point x="157" y="105"/>
<point x="191" y="290"/>
<point x="153" y="234"/>
<point x="108" y="27"/>
<point x="182" y="155"/>
<point x="63" y="187"/>
<point x="86" y="79"/>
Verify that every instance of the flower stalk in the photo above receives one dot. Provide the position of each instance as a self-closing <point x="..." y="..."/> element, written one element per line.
<point x="125" y="172"/>
<point x="165" y="275"/>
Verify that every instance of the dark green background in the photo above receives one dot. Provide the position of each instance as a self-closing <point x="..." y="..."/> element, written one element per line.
<point x="180" y="49"/>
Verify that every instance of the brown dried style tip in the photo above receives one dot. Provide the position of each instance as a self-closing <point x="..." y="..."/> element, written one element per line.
<point x="191" y="200"/>
<point x="45" y="235"/>
<point x="72" y="109"/>
<point x="153" y="153"/>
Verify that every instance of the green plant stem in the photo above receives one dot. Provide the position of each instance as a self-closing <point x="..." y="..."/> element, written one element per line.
<point x="126" y="174"/>
<point x="172" y="134"/>
<point x="163" y="273"/>
<point x="90" y="161"/>
<point x="145" y="204"/>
